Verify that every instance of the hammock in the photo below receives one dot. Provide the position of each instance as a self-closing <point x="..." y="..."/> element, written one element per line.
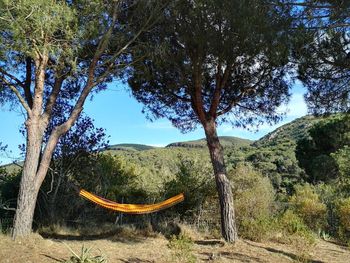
<point x="131" y="208"/>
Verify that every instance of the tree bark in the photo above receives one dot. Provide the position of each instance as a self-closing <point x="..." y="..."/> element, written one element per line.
<point x="28" y="192"/>
<point x="228" y="224"/>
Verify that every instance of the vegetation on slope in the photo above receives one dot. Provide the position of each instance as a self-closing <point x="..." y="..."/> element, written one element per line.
<point x="226" y="141"/>
<point x="129" y="147"/>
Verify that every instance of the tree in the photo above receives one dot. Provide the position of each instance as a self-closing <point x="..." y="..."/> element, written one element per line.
<point x="75" y="149"/>
<point x="215" y="62"/>
<point x="323" y="54"/>
<point x="315" y="154"/>
<point x="49" y="49"/>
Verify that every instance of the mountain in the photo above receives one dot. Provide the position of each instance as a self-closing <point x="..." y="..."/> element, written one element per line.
<point x="129" y="147"/>
<point x="226" y="141"/>
<point x="292" y="131"/>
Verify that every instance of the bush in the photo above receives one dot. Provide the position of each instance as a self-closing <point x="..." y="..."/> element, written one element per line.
<point x="306" y="203"/>
<point x="182" y="247"/>
<point x="253" y="197"/>
<point x="343" y="212"/>
<point x="291" y="223"/>
<point x="296" y="233"/>
<point x="256" y="229"/>
<point x="195" y="181"/>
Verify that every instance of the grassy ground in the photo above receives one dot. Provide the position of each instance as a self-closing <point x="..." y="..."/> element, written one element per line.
<point x="128" y="246"/>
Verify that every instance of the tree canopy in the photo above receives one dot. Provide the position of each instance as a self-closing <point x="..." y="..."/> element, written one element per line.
<point x="232" y="56"/>
<point x="57" y="51"/>
<point x="323" y="54"/>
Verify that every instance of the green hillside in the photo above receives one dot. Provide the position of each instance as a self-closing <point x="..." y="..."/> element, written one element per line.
<point x="129" y="147"/>
<point x="226" y="141"/>
<point x="293" y="131"/>
<point x="12" y="167"/>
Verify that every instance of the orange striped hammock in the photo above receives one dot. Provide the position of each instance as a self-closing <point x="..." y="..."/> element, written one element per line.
<point x="131" y="208"/>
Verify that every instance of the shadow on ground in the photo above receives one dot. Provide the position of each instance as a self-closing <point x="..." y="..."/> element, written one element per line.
<point x="115" y="236"/>
<point x="231" y="256"/>
<point x="136" y="260"/>
<point x="288" y="254"/>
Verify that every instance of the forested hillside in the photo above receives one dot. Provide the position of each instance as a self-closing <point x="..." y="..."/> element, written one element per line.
<point x="226" y="141"/>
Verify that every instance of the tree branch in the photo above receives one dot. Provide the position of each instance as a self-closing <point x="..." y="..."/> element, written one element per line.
<point x="40" y="64"/>
<point x="53" y="97"/>
<point x="7" y="208"/>
<point x="18" y="94"/>
<point x="18" y="82"/>
<point x="196" y="93"/>
<point x="221" y="82"/>
<point x="28" y="81"/>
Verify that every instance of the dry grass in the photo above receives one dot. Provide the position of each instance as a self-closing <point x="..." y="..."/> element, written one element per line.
<point x="141" y="246"/>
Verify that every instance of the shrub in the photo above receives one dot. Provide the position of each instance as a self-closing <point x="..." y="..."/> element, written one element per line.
<point x="253" y="196"/>
<point x="343" y="212"/>
<point x="296" y="233"/>
<point x="253" y="193"/>
<point x="256" y="229"/>
<point x="291" y="223"/>
<point x="182" y="247"/>
<point x="195" y="181"/>
<point x="306" y="203"/>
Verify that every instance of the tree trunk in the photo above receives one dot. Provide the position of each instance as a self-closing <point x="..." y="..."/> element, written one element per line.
<point x="28" y="191"/>
<point x="228" y="224"/>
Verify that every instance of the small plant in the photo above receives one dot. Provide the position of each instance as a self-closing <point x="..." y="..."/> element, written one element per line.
<point x="84" y="257"/>
<point x="182" y="247"/>
<point x="325" y="236"/>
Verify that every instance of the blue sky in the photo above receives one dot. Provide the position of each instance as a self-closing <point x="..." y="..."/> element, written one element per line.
<point x="121" y="116"/>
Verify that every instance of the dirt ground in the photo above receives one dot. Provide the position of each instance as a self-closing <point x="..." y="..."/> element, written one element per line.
<point x="37" y="249"/>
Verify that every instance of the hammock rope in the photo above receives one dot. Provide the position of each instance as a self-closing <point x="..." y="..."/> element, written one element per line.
<point x="131" y="208"/>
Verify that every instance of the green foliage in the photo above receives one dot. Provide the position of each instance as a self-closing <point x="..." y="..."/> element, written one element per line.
<point x="159" y="166"/>
<point x="194" y="179"/>
<point x="293" y="131"/>
<point x="225" y="141"/>
<point x="326" y="79"/>
<point x="342" y="159"/>
<point x="256" y="229"/>
<point x="306" y="203"/>
<point x="195" y="43"/>
<point x="315" y="153"/>
<point x="274" y="154"/>
<point x="182" y="246"/>
<point x="293" y="231"/>
<point x="291" y="223"/>
<point x="253" y="193"/>
<point x="129" y="147"/>
<point x="343" y="212"/>
<point x="38" y="26"/>
<point x="9" y="187"/>
<point x="84" y="256"/>
<point x="110" y="177"/>
<point x="253" y="197"/>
